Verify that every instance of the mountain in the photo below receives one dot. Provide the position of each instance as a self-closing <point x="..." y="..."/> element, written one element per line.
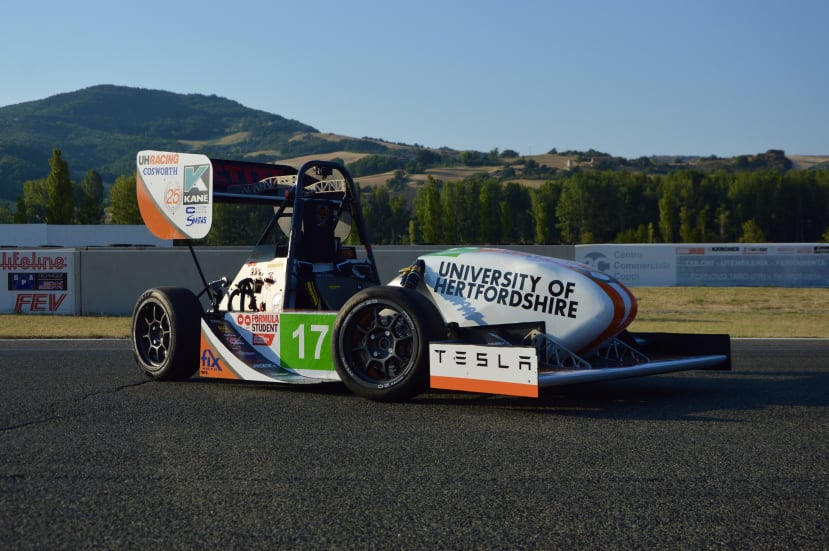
<point x="102" y="127"/>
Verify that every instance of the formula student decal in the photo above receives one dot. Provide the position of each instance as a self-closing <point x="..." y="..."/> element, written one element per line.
<point x="262" y="327"/>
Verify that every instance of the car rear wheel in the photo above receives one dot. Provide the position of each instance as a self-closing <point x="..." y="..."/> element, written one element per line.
<point x="381" y="342"/>
<point x="165" y="333"/>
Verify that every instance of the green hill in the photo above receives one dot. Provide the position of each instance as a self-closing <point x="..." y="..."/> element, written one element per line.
<point x="102" y="127"/>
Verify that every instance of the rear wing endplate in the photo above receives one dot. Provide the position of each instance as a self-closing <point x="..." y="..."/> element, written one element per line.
<point x="176" y="191"/>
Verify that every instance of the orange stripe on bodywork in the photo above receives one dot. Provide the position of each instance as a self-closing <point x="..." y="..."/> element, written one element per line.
<point x="620" y="318"/>
<point x="154" y="219"/>
<point x="484" y="387"/>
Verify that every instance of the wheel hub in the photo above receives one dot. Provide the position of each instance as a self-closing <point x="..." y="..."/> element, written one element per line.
<point x="156" y="333"/>
<point x="380" y="343"/>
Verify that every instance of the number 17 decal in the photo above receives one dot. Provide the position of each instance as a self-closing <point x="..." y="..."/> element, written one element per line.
<point x="305" y="340"/>
<point x="299" y="335"/>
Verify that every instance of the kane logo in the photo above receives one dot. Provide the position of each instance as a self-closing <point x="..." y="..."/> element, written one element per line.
<point x="196" y="185"/>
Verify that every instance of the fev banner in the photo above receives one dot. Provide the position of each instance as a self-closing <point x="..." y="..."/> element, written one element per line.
<point x="38" y="281"/>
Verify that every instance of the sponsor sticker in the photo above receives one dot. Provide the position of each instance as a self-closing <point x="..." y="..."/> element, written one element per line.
<point x="305" y="340"/>
<point x="507" y="370"/>
<point x="175" y="193"/>
<point x="514" y="289"/>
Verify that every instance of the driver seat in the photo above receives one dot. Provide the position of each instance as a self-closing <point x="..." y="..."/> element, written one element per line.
<point x="318" y="243"/>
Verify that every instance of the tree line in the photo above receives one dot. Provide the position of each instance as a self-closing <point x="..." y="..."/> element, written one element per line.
<point x="683" y="206"/>
<point x="56" y="199"/>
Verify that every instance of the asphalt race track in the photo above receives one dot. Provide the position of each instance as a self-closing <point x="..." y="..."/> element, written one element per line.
<point x="92" y="455"/>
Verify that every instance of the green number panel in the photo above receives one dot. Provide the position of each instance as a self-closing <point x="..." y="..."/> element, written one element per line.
<point x="305" y="340"/>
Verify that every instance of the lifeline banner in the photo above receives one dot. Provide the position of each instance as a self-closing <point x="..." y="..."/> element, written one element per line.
<point x="712" y="265"/>
<point x="38" y="281"/>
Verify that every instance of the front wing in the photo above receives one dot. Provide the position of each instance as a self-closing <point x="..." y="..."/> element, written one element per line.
<point x="522" y="370"/>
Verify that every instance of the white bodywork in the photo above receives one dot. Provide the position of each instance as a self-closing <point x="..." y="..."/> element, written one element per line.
<point x="581" y="308"/>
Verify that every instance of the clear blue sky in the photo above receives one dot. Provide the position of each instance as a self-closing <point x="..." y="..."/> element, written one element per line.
<point x="631" y="78"/>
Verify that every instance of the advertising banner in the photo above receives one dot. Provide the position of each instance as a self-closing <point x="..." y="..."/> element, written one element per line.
<point x="762" y="265"/>
<point x="633" y="265"/>
<point x="712" y="264"/>
<point x="38" y="281"/>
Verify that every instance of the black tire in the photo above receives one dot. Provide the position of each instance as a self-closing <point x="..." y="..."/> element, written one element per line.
<point x="166" y="332"/>
<point x="380" y="342"/>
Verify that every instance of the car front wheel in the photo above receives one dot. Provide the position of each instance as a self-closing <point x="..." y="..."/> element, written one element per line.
<point x="381" y="342"/>
<point x="165" y="333"/>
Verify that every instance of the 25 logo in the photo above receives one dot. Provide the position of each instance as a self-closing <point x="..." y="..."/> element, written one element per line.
<point x="172" y="196"/>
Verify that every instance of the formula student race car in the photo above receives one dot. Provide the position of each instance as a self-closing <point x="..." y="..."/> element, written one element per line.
<point x="308" y="305"/>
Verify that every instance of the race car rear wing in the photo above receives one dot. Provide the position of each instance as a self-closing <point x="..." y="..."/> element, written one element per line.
<point x="176" y="191"/>
<point x="315" y="206"/>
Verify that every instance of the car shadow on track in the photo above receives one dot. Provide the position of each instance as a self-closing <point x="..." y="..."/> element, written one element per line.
<point x="692" y="395"/>
<point x="322" y="389"/>
<point x="701" y="396"/>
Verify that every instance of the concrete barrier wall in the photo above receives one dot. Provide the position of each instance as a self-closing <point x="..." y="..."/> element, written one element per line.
<point x="112" y="279"/>
<point x="108" y="280"/>
<point x="391" y="258"/>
